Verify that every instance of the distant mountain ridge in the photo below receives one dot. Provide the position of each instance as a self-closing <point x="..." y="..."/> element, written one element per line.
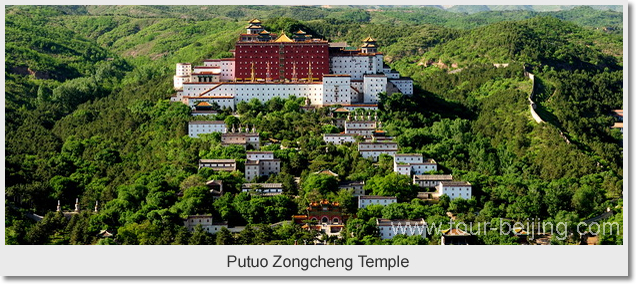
<point x="535" y="8"/>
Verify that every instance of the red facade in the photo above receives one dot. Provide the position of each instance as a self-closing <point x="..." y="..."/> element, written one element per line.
<point x="281" y="57"/>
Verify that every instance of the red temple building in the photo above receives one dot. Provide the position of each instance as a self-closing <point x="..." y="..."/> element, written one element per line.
<point x="260" y="56"/>
<point x="323" y="216"/>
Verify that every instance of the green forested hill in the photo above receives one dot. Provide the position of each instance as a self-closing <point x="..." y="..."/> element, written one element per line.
<point x="538" y="41"/>
<point x="87" y="116"/>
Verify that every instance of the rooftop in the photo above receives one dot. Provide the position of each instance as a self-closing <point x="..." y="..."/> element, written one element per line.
<point x="207" y="73"/>
<point x="213" y="182"/>
<point x="326" y="172"/>
<point x="378" y="142"/>
<point x="433" y="177"/>
<point x="426" y="162"/>
<point x="205" y="112"/>
<point x="240" y="134"/>
<point x="350" y="183"/>
<point x="257" y="162"/>
<point x="217" y="161"/>
<point x="455" y="183"/>
<point x="262" y="185"/>
<point x="338" y="44"/>
<point x="454" y="232"/>
<point x="361" y="105"/>
<point x="260" y="152"/>
<point x="199" y="216"/>
<point x="207" y="122"/>
<point x="409" y="155"/>
<point x="376" y="197"/>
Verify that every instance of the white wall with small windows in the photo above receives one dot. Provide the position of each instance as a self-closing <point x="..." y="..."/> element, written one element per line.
<point x="196" y="128"/>
<point x="366" y="200"/>
<point x="418" y="169"/>
<point x="262" y="155"/>
<point x="373" y="85"/>
<point x="356" y="65"/>
<point x="455" y="189"/>
<point x="337" y="90"/>
<point x="338" y="139"/>
<point x="244" y="92"/>
<point x="206" y="222"/>
<point x="404" y="85"/>
<point x="375" y="154"/>
<point x="252" y="171"/>
<point x="362" y="146"/>
<point x="261" y="164"/>
<point x="409" y="158"/>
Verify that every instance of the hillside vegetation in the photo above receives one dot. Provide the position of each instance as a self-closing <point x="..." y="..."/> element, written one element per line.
<point x="88" y="116"/>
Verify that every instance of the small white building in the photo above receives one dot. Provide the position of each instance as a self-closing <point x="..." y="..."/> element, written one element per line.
<point x="430" y="180"/>
<point x="206" y="222"/>
<point x="390" y="228"/>
<point x="195" y="128"/>
<point x="182" y="75"/>
<point x="366" y="200"/>
<point x="408" y="164"/>
<point x="243" y="139"/>
<point x="226" y="165"/>
<point x="261" y="163"/>
<point x="428" y="165"/>
<point x="264" y="189"/>
<point x="374" y="149"/>
<point x="455" y="189"/>
<point x="356" y="186"/>
<point x="363" y="128"/>
<point x="338" y="138"/>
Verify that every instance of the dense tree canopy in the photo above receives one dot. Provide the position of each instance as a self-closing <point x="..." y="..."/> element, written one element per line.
<point x="88" y="117"/>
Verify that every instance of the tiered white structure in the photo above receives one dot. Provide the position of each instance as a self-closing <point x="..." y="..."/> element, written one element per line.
<point x="261" y="163"/>
<point x="356" y="75"/>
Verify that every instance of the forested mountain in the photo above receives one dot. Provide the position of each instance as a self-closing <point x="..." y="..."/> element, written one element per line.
<point x="87" y="115"/>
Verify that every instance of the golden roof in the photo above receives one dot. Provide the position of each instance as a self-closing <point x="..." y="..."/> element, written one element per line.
<point x="369" y="39"/>
<point x="264" y="32"/>
<point x="283" y="38"/>
<point x="255" y="21"/>
<point x="300" y="32"/>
